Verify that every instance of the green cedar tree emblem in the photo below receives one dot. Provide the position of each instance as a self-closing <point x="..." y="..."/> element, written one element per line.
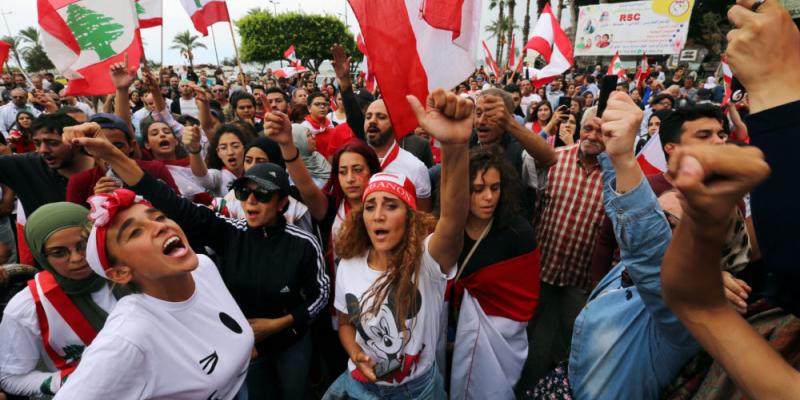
<point x="93" y="30"/>
<point x="72" y="352"/>
<point x="198" y="3"/>
<point x="45" y="386"/>
<point x="140" y="9"/>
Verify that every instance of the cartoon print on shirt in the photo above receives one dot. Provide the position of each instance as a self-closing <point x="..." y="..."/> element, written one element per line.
<point x="387" y="340"/>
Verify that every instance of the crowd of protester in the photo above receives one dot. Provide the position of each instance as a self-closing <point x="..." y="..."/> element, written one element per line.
<point x="195" y="236"/>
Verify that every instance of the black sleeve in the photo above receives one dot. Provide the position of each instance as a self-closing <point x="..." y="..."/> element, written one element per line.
<point x="355" y="118"/>
<point x="774" y="206"/>
<point x="175" y="107"/>
<point x="203" y="225"/>
<point x="316" y="286"/>
<point x="11" y="169"/>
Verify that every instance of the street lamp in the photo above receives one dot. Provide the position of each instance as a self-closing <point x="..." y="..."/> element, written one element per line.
<point x="4" y="13"/>
<point x="275" y="5"/>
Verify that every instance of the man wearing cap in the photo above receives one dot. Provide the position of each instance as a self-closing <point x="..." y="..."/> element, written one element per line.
<point x="101" y="178"/>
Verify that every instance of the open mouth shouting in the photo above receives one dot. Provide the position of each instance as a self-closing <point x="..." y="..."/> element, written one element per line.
<point x="174" y="247"/>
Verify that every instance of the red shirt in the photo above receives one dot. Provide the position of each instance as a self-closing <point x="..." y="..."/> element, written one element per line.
<point x="341" y="135"/>
<point x="81" y="185"/>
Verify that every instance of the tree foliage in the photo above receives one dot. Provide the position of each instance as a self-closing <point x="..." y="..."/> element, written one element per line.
<point x="186" y="43"/>
<point x="265" y="37"/>
<point x="30" y="46"/>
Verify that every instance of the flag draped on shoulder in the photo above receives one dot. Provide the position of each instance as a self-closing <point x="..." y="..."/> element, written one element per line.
<point x="550" y="41"/>
<point x="149" y="12"/>
<point x="615" y="68"/>
<point x="409" y="41"/>
<point x="4" y="50"/>
<point x="369" y="77"/>
<point x="205" y="13"/>
<point x="84" y="37"/>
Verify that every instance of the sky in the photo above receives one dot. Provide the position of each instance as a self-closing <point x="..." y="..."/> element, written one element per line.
<point x="23" y="14"/>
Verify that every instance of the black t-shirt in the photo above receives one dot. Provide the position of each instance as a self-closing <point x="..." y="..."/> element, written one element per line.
<point x="502" y="243"/>
<point x="32" y="180"/>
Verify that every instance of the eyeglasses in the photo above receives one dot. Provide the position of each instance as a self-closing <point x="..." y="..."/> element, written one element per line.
<point x="242" y="194"/>
<point x="320" y="105"/>
<point x="63" y="252"/>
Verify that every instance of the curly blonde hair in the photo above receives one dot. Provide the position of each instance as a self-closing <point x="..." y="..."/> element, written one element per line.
<point x="401" y="276"/>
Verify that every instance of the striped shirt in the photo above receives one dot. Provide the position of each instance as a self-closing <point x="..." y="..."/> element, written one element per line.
<point x="571" y="214"/>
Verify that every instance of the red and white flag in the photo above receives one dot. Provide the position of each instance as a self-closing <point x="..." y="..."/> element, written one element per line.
<point x="290" y="55"/>
<point x="294" y="64"/>
<point x="727" y="77"/>
<point x="616" y="68"/>
<point x="642" y="72"/>
<point x="491" y="62"/>
<point x="149" y="12"/>
<point x="205" y="13"/>
<point x="549" y="41"/>
<point x="408" y="43"/>
<point x="652" y="159"/>
<point x="84" y="37"/>
<point x="511" y="55"/>
<point x="4" y="50"/>
<point x="369" y="77"/>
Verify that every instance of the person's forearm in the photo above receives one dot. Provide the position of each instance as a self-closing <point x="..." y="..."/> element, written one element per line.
<point x="122" y="107"/>
<point x="197" y="165"/>
<point x="535" y="145"/>
<point x="204" y="115"/>
<point x="126" y="168"/>
<point x="266" y="327"/>
<point x="629" y="174"/>
<point x="313" y="197"/>
<point x="345" y="83"/>
<point x="347" y="336"/>
<point x="355" y="118"/>
<point x="448" y="237"/>
<point x="31" y="383"/>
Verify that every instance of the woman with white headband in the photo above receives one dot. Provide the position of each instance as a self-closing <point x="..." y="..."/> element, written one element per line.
<point x="391" y="280"/>
<point x="180" y="335"/>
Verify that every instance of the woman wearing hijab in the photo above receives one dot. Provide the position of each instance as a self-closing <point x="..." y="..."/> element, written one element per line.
<point x="315" y="163"/>
<point x="60" y="313"/>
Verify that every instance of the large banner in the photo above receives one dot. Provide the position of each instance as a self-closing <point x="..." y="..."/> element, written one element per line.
<point x="651" y="27"/>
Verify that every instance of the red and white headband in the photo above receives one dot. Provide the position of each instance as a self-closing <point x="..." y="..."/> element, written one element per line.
<point x="396" y="184"/>
<point x="104" y="208"/>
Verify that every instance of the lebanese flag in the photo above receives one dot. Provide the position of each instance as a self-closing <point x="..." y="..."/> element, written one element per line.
<point x="492" y="63"/>
<point x="4" y="49"/>
<point x="511" y="55"/>
<point x="642" y="72"/>
<point x="652" y="159"/>
<point x="615" y="68"/>
<point x="409" y="41"/>
<point x="149" y="12"/>
<point x="290" y="54"/>
<point x="549" y="41"/>
<point x="727" y="77"/>
<point x="84" y="37"/>
<point x="205" y="13"/>
<point x="491" y="345"/>
<point x="369" y="77"/>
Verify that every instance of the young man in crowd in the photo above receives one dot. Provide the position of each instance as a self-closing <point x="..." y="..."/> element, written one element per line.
<point x="185" y="104"/>
<point x="8" y="113"/>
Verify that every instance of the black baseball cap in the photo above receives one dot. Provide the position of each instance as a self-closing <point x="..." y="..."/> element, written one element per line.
<point x="111" y="121"/>
<point x="269" y="178"/>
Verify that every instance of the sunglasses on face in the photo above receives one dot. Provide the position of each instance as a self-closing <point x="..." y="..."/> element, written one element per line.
<point x="242" y="194"/>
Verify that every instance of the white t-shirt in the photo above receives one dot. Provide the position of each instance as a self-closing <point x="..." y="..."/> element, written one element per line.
<point x="414" y="169"/>
<point x="21" y="345"/>
<point x="525" y="102"/>
<point x="154" y="349"/>
<point x="379" y="336"/>
<point x="216" y="181"/>
<point x="85" y="108"/>
<point x="189" y="107"/>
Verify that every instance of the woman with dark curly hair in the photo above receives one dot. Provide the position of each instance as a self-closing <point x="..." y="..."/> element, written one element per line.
<point x="224" y="162"/>
<point x="496" y="290"/>
<point x="20" y="136"/>
<point x="392" y="276"/>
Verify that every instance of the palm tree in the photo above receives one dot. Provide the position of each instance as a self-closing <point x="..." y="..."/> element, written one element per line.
<point x="31" y="49"/>
<point x="187" y="43"/>
<point x="28" y="39"/>
<point x="512" y="26"/>
<point x="526" y="25"/>
<point x="500" y="29"/>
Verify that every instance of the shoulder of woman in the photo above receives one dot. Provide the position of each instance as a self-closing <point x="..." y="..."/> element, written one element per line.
<point x="21" y="307"/>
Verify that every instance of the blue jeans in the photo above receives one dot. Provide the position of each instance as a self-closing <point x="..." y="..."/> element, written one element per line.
<point x="7" y="237"/>
<point x="283" y="375"/>
<point x="428" y="386"/>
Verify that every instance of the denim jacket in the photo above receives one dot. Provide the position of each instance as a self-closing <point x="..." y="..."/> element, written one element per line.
<point x="626" y="343"/>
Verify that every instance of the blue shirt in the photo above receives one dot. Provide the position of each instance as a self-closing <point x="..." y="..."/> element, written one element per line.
<point x="626" y="343"/>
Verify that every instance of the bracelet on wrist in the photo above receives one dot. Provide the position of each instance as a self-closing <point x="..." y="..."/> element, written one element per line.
<point x="199" y="149"/>
<point x="293" y="159"/>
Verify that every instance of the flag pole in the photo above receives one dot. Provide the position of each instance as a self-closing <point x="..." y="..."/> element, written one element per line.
<point x="235" y="47"/>
<point x="162" y="45"/>
<point x="214" y="38"/>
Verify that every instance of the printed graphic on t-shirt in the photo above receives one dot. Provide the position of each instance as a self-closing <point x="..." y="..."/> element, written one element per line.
<point x="397" y="350"/>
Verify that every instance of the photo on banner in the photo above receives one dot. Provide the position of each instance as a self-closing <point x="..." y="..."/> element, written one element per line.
<point x="633" y="28"/>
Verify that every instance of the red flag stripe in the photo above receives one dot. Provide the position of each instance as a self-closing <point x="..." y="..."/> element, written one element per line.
<point x="66" y="308"/>
<point x="52" y="22"/>
<point x="443" y="14"/>
<point x="211" y="13"/>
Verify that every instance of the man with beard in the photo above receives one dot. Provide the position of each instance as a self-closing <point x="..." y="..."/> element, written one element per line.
<point x="381" y="137"/>
<point x="276" y="99"/>
<point x="570" y="214"/>
<point x="185" y="104"/>
<point x="8" y="112"/>
<point x="41" y="177"/>
<point x="8" y="84"/>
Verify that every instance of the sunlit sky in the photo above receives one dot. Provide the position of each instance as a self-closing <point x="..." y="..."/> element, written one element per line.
<point x="23" y="14"/>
